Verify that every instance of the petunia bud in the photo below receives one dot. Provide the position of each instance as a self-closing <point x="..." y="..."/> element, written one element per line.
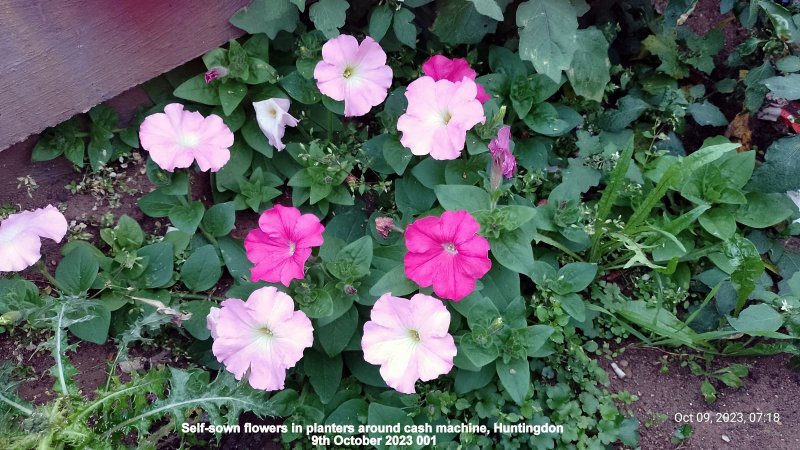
<point x="350" y="290"/>
<point x="10" y="318"/>
<point x="216" y="73"/>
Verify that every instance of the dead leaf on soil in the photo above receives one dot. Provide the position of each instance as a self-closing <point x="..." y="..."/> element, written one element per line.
<point x="739" y="131"/>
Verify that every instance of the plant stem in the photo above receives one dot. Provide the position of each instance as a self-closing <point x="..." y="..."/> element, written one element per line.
<point x="17" y="406"/>
<point x="59" y="363"/>
<point x="542" y="238"/>
<point x="43" y="270"/>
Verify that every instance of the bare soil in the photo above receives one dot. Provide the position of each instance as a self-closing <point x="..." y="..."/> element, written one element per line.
<point x="771" y="387"/>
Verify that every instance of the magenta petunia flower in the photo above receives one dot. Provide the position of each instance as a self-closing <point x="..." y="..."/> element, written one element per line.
<point x="273" y="117"/>
<point x="21" y="236"/>
<point x="264" y="335"/>
<point x="355" y="73"/>
<point x="176" y="138"/>
<point x="438" y="116"/>
<point x="440" y="67"/>
<point x="502" y="158"/>
<point x="447" y="253"/>
<point x="409" y="340"/>
<point x="281" y="244"/>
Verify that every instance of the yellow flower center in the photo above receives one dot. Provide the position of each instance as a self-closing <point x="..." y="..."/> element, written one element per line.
<point x="414" y="335"/>
<point x="348" y="72"/>
<point x="450" y="248"/>
<point x="265" y="331"/>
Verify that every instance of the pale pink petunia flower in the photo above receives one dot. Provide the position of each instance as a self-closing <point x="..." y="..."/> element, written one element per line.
<point x="409" y="340"/>
<point x="176" y="138"/>
<point x="438" y="116"/>
<point x="21" y="236"/>
<point x="281" y="244"/>
<point x="273" y="117"/>
<point x="354" y="73"/>
<point x="503" y="160"/>
<point x="264" y="335"/>
<point x="447" y="253"/>
<point x="440" y="67"/>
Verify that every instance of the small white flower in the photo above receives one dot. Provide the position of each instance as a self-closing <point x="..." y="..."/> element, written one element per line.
<point x="273" y="117"/>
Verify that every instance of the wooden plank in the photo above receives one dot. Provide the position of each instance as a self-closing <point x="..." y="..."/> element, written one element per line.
<point x="61" y="57"/>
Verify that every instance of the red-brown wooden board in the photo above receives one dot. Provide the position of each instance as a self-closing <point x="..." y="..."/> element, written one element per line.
<point x="61" y="57"/>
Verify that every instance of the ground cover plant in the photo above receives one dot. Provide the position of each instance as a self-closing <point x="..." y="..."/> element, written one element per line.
<point x="418" y="212"/>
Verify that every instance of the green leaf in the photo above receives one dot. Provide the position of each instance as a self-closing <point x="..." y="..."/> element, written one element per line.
<point x="719" y="222"/>
<point x="547" y="35"/>
<point x="94" y="330"/>
<point x="379" y="21"/>
<point x="757" y="319"/>
<point x="195" y="89"/>
<point x="707" y="114"/>
<point x="575" y="277"/>
<point x="328" y="16"/>
<point x="386" y="415"/>
<point x="220" y="219"/>
<point x="235" y="258"/>
<point x="300" y="89"/>
<point x="457" y="22"/>
<point x="267" y="16"/>
<point x="780" y="168"/>
<point x="629" y="108"/>
<point x="513" y="250"/>
<point x="488" y="8"/>
<point x="255" y="138"/>
<point x="77" y="271"/>
<point x="202" y="270"/>
<point x="396" y="155"/>
<point x="477" y="354"/>
<point x="589" y="71"/>
<point x="197" y="325"/>
<point x="157" y="204"/>
<point x="743" y="256"/>
<point x="159" y="269"/>
<point x="470" y="198"/>
<point x="404" y="29"/>
<point x="515" y="376"/>
<point x="128" y="234"/>
<point x="755" y="90"/>
<point x="334" y="336"/>
<point x="230" y="95"/>
<point x="573" y="305"/>
<point x="394" y="281"/>
<point x="222" y="400"/>
<point x="666" y="48"/>
<point x="353" y="261"/>
<point x="536" y="336"/>
<point x="764" y="210"/>
<point x="324" y="373"/>
<point x="788" y="64"/>
<point x="187" y="217"/>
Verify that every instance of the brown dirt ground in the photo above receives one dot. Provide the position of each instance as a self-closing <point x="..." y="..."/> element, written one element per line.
<point x="771" y="387"/>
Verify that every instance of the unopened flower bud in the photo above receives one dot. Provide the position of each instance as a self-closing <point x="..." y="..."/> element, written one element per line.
<point x="352" y="181"/>
<point x="350" y="290"/>
<point x="216" y="73"/>
<point x="10" y="318"/>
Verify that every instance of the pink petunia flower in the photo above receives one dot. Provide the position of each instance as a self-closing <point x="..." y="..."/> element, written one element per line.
<point x="447" y="253"/>
<point x="281" y="244"/>
<point x="21" y="236"/>
<point x="503" y="161"/>
<point x="176" y="138"/>
<point x="273" y="117"/>
<point x="409" y="340"/>
<point x="264" y="334"/>
<point x="353" y="72"/>
<point x="438" y="116"/>
<point x="440" y="67"/>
